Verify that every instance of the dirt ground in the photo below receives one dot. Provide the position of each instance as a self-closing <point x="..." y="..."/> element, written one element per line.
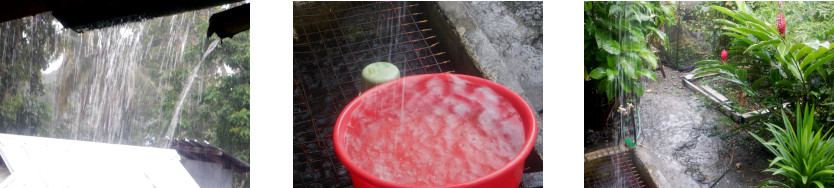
<point x="687" y="142"/>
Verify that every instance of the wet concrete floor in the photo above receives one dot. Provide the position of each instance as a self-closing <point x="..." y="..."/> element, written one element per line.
<point x="686" y="142"/>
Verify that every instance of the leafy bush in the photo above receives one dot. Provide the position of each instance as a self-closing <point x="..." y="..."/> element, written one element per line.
<point x="782" y="71"/>
<point x="815" y="16"/>
<point x="617" y="35"/>
<point x="804" y="156"/>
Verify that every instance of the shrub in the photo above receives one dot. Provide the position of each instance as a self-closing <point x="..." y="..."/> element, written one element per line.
<point x="804" y="156"/>
<point x="781" y="71"/>
<point x="616" y="36"/>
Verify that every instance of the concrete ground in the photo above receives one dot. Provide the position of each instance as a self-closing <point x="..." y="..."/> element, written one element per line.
<point x="687" y="142"/>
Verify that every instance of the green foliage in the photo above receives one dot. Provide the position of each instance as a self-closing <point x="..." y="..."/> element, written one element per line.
<point x="23" y="114"/>
<point x="803" y="155"/>
<point x="217" y="107"/>
<point x="815" y="16"/>
<point x="228" y="100"/>
<point x="617" y="35"/>
<point x="780" y="70"/>
<point x="26" y="47"/>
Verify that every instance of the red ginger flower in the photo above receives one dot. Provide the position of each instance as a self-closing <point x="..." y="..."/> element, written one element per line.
<point x="724" y="56"/>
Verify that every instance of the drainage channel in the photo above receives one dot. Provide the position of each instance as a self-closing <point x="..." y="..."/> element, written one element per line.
<point x="615" y="167"/>
<point x="332" y="41"/>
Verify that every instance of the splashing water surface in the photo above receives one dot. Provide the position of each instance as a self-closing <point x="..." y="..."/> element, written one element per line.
<point x="453" y="131"/>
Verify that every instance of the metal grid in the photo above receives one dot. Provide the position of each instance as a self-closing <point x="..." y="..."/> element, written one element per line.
<point x="332" y="42"/>
<point x="617" y="170"/>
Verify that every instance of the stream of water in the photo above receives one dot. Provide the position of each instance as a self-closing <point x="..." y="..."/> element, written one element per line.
<point x="174" y="119"/>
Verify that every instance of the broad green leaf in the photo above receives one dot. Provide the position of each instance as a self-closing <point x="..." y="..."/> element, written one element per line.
<point x="633" y="59"/>
<point x="762" y="44"/>
<point x="612" y="74"/>
<point x="819" y="184"/>
<point x="775" y="160"/>
<point x="726" y="22"/>
<point x="813" y="56"/>
<point x="763" y="28"/>
<point x="796" y="47"/>
<point x="751" y="18"/>
<point x="726" y="11"/>
<point x="817" y="64"/>
<point x="661" y="35"/>
<point x="803" y="52"/>
<point x="612" y="60"/>
<point x="825" y="59"/>
<point x="649" y="57"/>
<point x="760" y="35"/>
<point x="782" y="49"/>
<point x="605" y="42"/>
<point x="626" y="85"/>
<point x="762" y="56"/>
<point x="649" y="74"/>
<point x="628" y="70"/>
<point x="742" y="38"/>
<point x="641" y="17"/>
<point x="598" y="73"/>
<point x="736" y="29"/>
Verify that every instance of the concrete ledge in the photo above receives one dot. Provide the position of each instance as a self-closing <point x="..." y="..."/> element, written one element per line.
<point x="655" y="176"/>
<point x="721" y="101"/>
<point x="605" y="152"/>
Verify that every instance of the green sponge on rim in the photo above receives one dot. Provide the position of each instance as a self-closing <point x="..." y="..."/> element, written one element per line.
<point x="378" y="73"/>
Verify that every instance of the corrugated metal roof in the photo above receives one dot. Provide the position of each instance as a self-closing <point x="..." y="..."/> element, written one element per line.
<point x="203" y="151"/>
<point x="49" y="162"/>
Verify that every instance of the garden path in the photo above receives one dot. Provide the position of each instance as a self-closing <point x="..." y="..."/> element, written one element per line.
<point x="686" y="142"/>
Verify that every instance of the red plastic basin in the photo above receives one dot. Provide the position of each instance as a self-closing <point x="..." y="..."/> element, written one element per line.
<point x="508" y="175"/>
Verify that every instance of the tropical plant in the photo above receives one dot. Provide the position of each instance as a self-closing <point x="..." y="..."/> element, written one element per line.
<point x="781" y="69"/>
<point x="617" y="36"/>
<point x="803" y="155"/>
